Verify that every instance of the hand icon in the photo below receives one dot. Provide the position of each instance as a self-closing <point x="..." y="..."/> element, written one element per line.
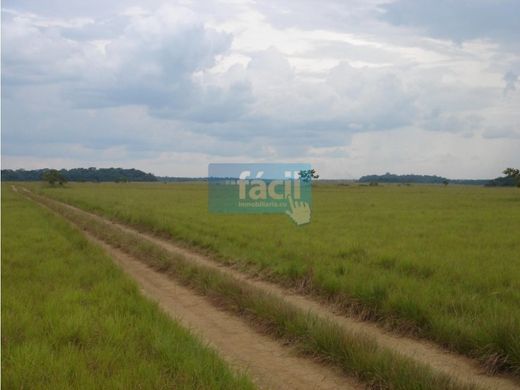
<point x="299" y="211"/>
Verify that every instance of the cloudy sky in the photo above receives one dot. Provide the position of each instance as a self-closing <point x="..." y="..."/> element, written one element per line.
<point x="352" y="87"/>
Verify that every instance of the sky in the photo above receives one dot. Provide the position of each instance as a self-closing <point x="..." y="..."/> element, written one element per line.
<point x="352" y="87"/>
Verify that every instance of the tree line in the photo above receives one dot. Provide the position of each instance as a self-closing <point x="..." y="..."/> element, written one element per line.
<point x="78" y="174"/>
<point x="511" y="178"/>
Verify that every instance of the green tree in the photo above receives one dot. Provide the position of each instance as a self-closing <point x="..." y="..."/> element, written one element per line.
<point x="52" y="176"/>
<point x="514" y="174"/>
<point x="308" y="175"/>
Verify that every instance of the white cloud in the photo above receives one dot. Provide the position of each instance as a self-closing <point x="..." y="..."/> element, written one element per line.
<point x="156" y="84"/>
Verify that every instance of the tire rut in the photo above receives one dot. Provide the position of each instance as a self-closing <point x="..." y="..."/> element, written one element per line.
<point x="268" y="363"/>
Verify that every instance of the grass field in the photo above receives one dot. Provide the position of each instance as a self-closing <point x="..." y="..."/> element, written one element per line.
<point x="71" y="319"/>
<point x="380" y="367"/>
<point x="444" y="261"/>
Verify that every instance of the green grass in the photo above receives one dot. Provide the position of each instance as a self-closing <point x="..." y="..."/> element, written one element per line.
<point x="356" y="354"/>
<point x="442" y="261"/>
<point x="71" y="319"/>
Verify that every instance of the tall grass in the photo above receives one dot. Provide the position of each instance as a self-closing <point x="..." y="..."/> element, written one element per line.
<point x="71" y="319"/>
<point x="442" y="262"/>
<point x="356" y="354"/>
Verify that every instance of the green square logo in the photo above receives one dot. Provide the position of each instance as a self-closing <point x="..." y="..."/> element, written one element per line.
<point x="261" y="189"/>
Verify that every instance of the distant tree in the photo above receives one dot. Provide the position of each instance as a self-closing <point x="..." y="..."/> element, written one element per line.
<point x="52" y="176"/>
<point x="445" y="182"/>
<point x="514" y="174"/>
<point x="308" y="175"/>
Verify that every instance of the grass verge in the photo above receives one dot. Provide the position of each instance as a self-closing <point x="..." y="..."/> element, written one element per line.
<point x="356" y="355"/>
<point x="71" y="319"/>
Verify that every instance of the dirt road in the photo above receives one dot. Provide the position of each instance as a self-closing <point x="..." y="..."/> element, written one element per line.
<point x="271" y="365"/>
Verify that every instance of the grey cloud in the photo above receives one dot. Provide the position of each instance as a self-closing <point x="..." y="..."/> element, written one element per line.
<point x="354" y="53"/>
<point x="458" y="20"/>
<point x="510" y="79"/>
<point x="502" y="132"/>
<point x="72" y="8"/>
<point x="450" y="122"/>
<point x="150" y="63"/>
<point x="102" y="28"/>
<point x="330" y="14"/>
<point x="140" y="84"/>
<point x="34" y="55"/>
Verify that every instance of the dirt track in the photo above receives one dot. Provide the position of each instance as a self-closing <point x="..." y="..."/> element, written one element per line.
<point x="271" y="365"/>
<point x="463" y="369"/>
